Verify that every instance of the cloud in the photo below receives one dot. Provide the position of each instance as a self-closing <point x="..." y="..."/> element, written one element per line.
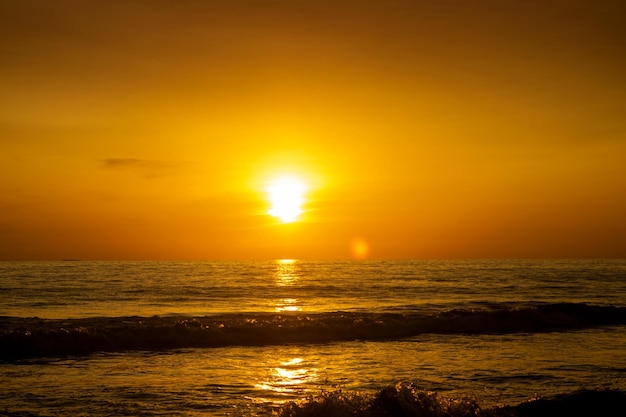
<point x="146" y="168"/>
<point x="124" y="162"/>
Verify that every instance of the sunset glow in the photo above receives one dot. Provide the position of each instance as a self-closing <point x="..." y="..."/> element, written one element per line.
<point x="231" y="130"/>
<point x="258" y="207"/>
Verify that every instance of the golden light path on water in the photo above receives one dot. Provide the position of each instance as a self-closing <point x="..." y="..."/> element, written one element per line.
<point x="286" y="276"/>
<point x="287" y="376"/>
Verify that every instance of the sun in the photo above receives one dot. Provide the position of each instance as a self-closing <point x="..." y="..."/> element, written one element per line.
<point x="286" y="197"/>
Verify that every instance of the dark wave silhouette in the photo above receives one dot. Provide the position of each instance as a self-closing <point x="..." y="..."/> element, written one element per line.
<point x="407" y="401"/>
<point x="34" y="337"/>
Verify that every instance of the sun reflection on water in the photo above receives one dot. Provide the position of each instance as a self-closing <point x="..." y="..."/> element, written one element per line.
<point x="289" y="378"/>
<point x="287" y="276"/>
<point x="287" y="304"/>
<point x="286" y="272"/>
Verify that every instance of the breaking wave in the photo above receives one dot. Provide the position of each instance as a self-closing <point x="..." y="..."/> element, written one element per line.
<point x="405" y="400"/>
<point x="34" y="337"/>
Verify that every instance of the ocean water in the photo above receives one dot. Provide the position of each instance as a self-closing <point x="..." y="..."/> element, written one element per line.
<point x="252" y="338"/>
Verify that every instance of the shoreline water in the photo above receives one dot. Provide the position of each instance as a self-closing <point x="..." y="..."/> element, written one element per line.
<point x="248" y="338"/>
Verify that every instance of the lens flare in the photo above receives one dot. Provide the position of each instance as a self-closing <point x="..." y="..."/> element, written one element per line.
<point x="360" y="248"/>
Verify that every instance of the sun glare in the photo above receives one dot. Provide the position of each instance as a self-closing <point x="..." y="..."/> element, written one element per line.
<point x="286" y="197"/>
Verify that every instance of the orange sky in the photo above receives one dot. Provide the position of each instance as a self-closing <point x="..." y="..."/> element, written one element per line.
<point x="449" y="129"/>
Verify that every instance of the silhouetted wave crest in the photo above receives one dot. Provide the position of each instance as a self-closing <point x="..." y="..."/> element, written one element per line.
<point x="34" y="337"/>
<point x="404" y="400"/>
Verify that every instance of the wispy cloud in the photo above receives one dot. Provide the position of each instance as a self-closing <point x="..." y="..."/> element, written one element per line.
<point x="145" y="167"/>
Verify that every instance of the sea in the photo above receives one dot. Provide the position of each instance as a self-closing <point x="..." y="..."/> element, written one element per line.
<point x="292" y="338"/>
